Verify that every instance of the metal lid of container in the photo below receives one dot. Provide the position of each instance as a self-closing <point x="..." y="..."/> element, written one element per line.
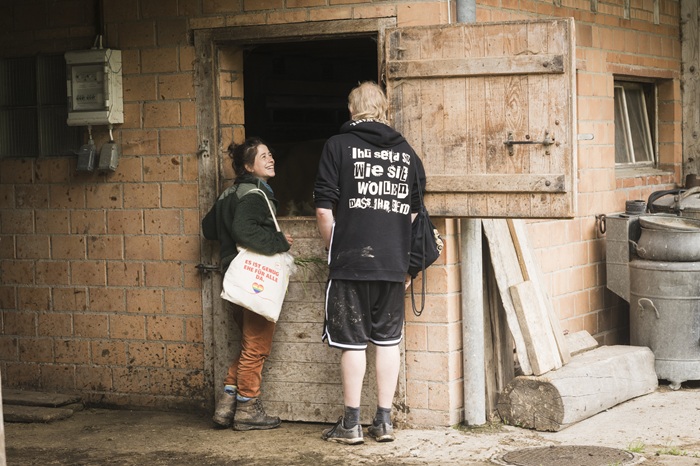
<point x="679" y="201"/>
<point x="669" y="222"/>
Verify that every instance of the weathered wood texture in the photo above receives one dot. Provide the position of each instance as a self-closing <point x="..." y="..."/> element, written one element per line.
<point x="592" y="382"/>
<point x="554" y="335"/>
<point x="498" y="351"/>
<point x="690" y="52"/>
<point x="458" y="91"/>
<point x="534" y="327"/>
<point x="504" y="261"/>
<point x="580" y="342"/>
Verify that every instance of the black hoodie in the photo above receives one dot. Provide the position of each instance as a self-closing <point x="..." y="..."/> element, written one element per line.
<point x="367" y="173"/>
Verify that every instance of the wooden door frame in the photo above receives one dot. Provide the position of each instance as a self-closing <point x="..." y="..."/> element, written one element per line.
<point x="206" y="45"/>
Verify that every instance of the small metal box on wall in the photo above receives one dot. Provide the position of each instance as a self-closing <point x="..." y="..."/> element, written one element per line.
<point x="94" y="79"/>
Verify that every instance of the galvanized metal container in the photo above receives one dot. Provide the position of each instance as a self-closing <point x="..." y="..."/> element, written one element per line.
<point x="665" y="316"/>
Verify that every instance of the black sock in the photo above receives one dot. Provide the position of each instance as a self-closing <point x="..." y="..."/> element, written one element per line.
<point x="383" y="416"/>
<point x="351" y="417"/>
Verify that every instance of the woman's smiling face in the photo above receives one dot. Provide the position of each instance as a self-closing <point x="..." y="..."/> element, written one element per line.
<point x="264" y="165"/>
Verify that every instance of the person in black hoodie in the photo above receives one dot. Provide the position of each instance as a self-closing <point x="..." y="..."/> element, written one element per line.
<point x="242" y="219"/>
<point x="366" y="196"/>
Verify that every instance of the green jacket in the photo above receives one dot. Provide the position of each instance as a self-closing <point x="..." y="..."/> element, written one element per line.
<point x="240" y="218"/>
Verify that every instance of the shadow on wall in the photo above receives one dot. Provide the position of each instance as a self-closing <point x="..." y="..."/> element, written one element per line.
<point x="296" y="165"/>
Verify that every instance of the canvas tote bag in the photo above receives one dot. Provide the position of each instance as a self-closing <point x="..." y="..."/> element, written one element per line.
<point x="256" y="281"/>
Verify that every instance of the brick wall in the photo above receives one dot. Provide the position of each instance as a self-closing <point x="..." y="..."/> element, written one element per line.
<point x="98" y="290"/>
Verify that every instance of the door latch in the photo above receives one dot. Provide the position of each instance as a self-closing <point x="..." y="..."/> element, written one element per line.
<point x="510" y="142"/>
<point x="206" y="269"/>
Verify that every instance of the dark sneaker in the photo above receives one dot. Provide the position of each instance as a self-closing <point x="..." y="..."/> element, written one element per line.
<point x="382" y="433"/>
<point x="338" y="433"/>
<point x="250" y="415"/>
<point x="225" y="410"/>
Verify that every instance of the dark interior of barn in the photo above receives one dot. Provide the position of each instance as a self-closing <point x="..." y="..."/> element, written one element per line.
<point x="296" y="98"/>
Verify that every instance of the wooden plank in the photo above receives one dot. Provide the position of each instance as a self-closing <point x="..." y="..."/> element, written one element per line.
<point x="507" y="271"/>
<point x="580" y="342"/>
<point x="500" y="366"/>
<point x="532" y="325"/>
<point x="690" y="54"/>
<point x="512" y="183"/>
<point x="592" y="382"/>
<point x="471" y="67"/>
<point x="554" y="333"/>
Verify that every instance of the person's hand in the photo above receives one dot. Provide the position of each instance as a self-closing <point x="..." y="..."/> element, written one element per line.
<point x="407" y="282"/>
<point x="290" y="240"/>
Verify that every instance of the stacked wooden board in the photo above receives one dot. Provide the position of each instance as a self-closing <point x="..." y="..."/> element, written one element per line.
<point x="539" y="341"/>
<point x="565" y="378"/>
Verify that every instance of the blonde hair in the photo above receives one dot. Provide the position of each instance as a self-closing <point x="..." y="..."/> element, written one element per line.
<point x="368" y="102"/>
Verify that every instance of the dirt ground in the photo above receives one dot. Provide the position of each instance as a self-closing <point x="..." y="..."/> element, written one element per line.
<point x="663" y="427"/>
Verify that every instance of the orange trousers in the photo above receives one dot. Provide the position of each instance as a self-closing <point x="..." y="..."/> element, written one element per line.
<point x="245" y="371"/>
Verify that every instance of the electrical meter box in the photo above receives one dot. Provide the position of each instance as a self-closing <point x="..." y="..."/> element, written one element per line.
<point x="94" y="79"/>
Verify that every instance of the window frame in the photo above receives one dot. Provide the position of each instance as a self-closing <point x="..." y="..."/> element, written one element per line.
<point x="649" y="120"/>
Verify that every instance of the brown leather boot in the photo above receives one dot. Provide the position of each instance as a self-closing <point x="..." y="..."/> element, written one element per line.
<point x="250" y="415"/>
<point x="225" y="410"/>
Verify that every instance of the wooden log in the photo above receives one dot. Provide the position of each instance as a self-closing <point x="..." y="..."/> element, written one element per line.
<point x="592" y="382"/>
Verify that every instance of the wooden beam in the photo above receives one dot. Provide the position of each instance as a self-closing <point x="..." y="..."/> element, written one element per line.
<point x="550" y="183"/>
<point x="487" y="66"/>
<point x="690" y="54"/>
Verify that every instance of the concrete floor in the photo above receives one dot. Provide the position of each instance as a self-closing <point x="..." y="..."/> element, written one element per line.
<point x="664" y="427"/>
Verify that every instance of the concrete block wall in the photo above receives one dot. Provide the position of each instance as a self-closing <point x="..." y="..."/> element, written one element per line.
<point x="98" y="290"/>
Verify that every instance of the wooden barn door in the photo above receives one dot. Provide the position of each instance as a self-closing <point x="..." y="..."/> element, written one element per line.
<point x="490" y="108"/>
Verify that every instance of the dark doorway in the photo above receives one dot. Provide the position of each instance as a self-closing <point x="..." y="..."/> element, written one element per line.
<point x="295" y="98"/>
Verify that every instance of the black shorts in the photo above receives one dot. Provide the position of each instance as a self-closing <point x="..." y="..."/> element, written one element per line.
<point x="358" y="312"/>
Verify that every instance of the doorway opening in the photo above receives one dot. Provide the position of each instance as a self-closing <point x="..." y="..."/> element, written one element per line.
<point x="295" y="98"/>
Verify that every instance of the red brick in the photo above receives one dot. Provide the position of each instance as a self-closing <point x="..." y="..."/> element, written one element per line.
<point x="172" y="31"/>
<point x="52" y="273"/>
<point x="221" y="6"/>
<point x="144" y="301"/>
<point x="36" y="350"/>
<point x="141" y="195"/>
<point x="143" y="247"/>
<point x="108" y="353"/>
<point x="158" y="8"/>
<point x="160" y="60"/>
<point x="67" y="197"/>
<point x="161" y="114"/>
<point x="16" y="272"/>
<point x="106" y="300"/>
<point x="88" y="273"/>
<point x="59" y="378"/>
<point x="16" y="221"/>
<point x="72" y="351"/>
<point x="68" y="247"/>
<point x="163" y="222"/>
<point x="104" y="247"/>
<point x="34" y="299"/>
<point x="124" y="273"/>
<point x="33" y="247"/>
<point x="34" y="197"/>
<point x="163" y="274"/>
<point x="179" y="195"/>
<point x="178" y="141"/>
<point x="139" y="88"/>
<point x="185" y="248"/>
<point x="93" y="378"/>
<point x="127" y="327"/>
<point x="131" y="380"/>
<point x="142" y="354"/>
<point x="165" y="328"/>
<point x="183" y="301"/>
<point x="21" y="375"/>
<point x="88" y="222"/>
<point x="161" y="168"/>
<point x="52" y="221"/>
<point x="9" y="349"/>
<point x="193" y="331"/>
<point x="125" y="222"/>
<point x="137" y="34"/>
<point x="185" y="356"/>
<point x="91" y="325"/>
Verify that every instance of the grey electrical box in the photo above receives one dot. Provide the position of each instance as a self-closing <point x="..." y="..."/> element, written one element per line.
<point x="86" y="157"/>
<point x="94" y="79"/>
<point x="109" y="157"/>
